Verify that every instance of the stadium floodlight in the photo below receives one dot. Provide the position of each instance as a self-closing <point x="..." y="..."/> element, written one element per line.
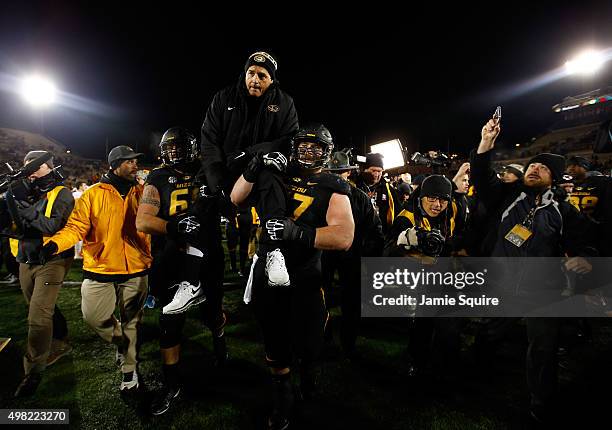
<point x="587" y="63"/>
<point x="392" y="151"/>
<point x="38" y="90"/>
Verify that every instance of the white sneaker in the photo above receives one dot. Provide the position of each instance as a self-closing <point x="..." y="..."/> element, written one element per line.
<point x="276" y="270"/>
<point x="186" y="296"/>
<point x="10" y="279"/>
<point x="129" y="384"/>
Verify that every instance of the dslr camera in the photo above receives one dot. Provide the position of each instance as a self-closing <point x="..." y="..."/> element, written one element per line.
<point x="430" y="242"/>
<point x="438" y="160"/>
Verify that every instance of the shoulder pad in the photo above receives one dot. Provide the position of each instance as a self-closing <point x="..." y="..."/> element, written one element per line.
<point x="158" y="176"/>
<point x="333" y="183"/>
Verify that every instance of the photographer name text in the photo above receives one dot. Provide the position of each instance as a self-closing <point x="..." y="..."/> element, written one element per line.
<point x="424" y="300"/>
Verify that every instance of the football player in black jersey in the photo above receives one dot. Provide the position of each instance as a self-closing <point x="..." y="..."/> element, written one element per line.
<point x="311" y="213"/>
<point x="592" y="194"/>
<point x="188" y="264"/>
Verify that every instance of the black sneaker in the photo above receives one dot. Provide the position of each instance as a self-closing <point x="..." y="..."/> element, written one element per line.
<point x="543" y="415"/>
<point x="282" y="400"/>
<point x="28" y="385"/>
<point x="163" y="401"/>
<point x="220" y="349"/>
<point x="309" y="382"/>
<point x="278" y="422"/>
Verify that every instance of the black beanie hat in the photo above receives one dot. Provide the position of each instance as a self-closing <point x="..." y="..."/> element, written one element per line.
<point x="554" y="162"/>
<point x="265" y="60"/>
<point x="437" y="186"/>
<point x="374" y="159"/>
<point x="579" y="161"/>
<point x="418" y="179"/>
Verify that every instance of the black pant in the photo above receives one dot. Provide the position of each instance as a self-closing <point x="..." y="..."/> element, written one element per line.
<point x="232" y="235"/>
<point x="9" y="260"/>
<point x="271" y="202"/>
<point x="543" y="337"/>
<point x="436" y="341"/>
<point x="245" y="225"/>
<point x="209" y="272"/>
<point x="349" y="269"/>
<point x="292" y="318"/>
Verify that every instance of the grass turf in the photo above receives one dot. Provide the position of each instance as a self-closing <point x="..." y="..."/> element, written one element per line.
<point x="374" y="392"/>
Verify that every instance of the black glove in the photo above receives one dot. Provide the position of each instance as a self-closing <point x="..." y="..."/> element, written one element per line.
<point x="275" y="160"/>
<point x="286" y="229"/>
<point x="13" y="210"/>
<point x="47" y="252"/>
<point x="214" y="176"/>
<point x="184" y="227"/>
<point x="253" y="169"/>
<point x="27" y="211"/>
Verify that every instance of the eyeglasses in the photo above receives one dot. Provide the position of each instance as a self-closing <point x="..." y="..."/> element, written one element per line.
<point x="436" y="199"/>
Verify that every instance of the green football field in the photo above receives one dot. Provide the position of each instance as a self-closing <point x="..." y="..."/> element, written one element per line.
<point x="374" y="392"/>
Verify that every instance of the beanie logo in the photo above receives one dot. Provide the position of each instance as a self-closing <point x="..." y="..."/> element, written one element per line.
<point x="262" y="56"/>
<point x="273" y="108"/>
<point x="172" y="179"/>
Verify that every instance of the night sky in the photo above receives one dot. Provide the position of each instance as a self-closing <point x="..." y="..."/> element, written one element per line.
<point x="429" y="76"/>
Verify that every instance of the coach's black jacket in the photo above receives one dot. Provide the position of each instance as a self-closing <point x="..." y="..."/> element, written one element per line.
<point x="236" y="122"/>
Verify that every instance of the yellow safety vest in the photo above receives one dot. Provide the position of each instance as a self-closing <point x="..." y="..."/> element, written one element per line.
<point x="425" y="222"/>
<point x="51" y="196"/>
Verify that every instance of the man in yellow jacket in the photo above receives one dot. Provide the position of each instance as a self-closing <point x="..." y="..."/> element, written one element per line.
<point x="116" y="257"/>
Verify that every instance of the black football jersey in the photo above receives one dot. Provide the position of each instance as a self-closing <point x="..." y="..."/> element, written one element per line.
<point x="590" y="196"/>
<point x="594" y="199"/>
<point x="177" y="189"/>
<point x="308" y="203"/>
<point x="177" y="193"/>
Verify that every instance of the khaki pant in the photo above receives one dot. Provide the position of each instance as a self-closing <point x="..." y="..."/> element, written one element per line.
<point x="40" y="285"/>
<point x="98" y="303"/>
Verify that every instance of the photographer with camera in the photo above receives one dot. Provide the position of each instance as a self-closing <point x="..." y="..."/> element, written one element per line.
<point x="424" y="230"/>
<point x="39" y="205"/>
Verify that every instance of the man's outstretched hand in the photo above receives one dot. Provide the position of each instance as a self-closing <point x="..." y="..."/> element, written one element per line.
<point x="488" y="134"/>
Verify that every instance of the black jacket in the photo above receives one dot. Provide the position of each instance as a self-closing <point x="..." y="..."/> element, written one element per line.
<point x="368" y="240"/>
<point x="412" y="215"/>
<point x="558" y="227"/>
<point x="229" y="129"/>
<point x="36" y="222"/>
<point x="385" y="198"/>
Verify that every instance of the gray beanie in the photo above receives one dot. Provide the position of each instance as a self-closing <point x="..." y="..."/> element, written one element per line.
<point x="33" y="155"/>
